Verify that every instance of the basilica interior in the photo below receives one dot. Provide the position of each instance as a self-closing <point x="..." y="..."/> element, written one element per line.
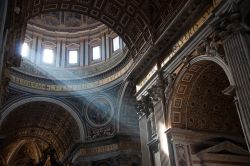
<point x="124" y="83"/>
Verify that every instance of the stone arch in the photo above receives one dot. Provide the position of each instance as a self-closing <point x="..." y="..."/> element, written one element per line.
<point x="126" y="110"/>
<point x="217" y="60"/>
<point x="123" y="17"/>
<point x="2" y="160"/>
<point x="15" y="104"/>
<point x="197" y="96"/>
<point x="19" y="144"/>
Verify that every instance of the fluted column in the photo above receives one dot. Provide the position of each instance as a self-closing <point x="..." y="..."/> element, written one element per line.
<point x="107" y="42"/>
<point x="103" y="48"/>
<point x="81" y="53"/>
<point x="39" y="50"/>
<point x="237" y="49"/>
<point x="63" y="53"/>
<point x="86" y="53"/>
<point x="33" y="48"/>
<point x="58" y="52"/>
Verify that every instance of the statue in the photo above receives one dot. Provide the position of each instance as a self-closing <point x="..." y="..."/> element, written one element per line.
<point x="169" y="81"/>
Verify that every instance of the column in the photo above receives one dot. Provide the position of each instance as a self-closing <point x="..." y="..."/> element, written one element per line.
<point x="237" y="53"/>
<point x="3" y="7"/>
<point x="103" y="47"/>
<point x="121" y="43"/>
<point x="107" y="46"/>
<point x="3" y="12"/>
<point x="146" y="160"/>
<point x="156" y="94"/>
<point x="39" y="50"/>
<point x="58" y="52"/>
<point x="81" y="53"/>
<point x="63" y="53"/>
<point x="86" y="54"/>
<point x="33" y="49"/>
<point x="237" y="50"/>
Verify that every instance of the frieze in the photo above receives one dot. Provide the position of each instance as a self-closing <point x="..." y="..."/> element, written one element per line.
<point x="106" y="148"/>
<point x="69" y="87"/>
<point x="99" y="133"/>
<point x="187" y="36"/>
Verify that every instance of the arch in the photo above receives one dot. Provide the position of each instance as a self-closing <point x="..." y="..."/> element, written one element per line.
<point x="121" y="101"/>
<point x="2" y="160"/>
<point x="219" y="61"/>
<point x="184" y="84"/>
<point x="131" y="24"/>
<point x="15" y="104"/>
<point x="126" y="110"/>
<point x="15" y="150"/>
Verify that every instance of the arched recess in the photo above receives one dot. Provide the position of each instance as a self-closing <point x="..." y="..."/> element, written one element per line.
<point x="123" y="17"/>
<point x="47" y="121"/>
<point x="198" y="103"/>
<point x="17" y="103"/>
<point x="28" y="149"/>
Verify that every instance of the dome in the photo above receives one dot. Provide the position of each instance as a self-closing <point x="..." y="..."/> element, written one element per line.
<point x="65" y="51"/>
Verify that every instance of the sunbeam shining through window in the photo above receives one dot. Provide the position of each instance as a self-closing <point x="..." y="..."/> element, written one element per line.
<point x="25" y="50"/>
<point x="96" y="53"/>
<point x="48" y="56"/>
<point x="116" y="43"/>
<point x="73" y="57"/>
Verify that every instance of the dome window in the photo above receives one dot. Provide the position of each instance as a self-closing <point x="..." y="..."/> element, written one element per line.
<point x="116" y="43"/>
<point x="96" y="53"/>
<point x="48" y="56"/>
<point x="73" y="57"/>
<point x="25" y="50"/>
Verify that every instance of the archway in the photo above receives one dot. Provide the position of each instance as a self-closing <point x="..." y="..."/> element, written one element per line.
<point x="199" y="87"/>
<point x="48" y="125"/>
<point x="16" y="103"/>
<point x="204" y="116"/>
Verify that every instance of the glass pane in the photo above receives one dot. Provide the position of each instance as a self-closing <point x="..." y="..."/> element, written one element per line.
<point x="48" y="56"/>
<point x="116" y="43"/>
<point x="96" y="53"/>
<point x="73" y="57"/>
<point x="25" y="50"/>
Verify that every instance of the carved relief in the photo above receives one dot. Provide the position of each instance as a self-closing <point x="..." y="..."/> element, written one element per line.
<point x="96" y="133"/>
<point x="156" y="92"/>
<point x="169" y="82"/>
<point x="145" y="106"/>
<point x="181" y="155"/>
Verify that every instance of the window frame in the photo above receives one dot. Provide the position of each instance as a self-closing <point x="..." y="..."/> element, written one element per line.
<point x="112" y="44"/>
<point x="29" y="49"/>
<point x="78" y="57"/>
<point x="92" y="60"/>
<point x="54" y="56"/>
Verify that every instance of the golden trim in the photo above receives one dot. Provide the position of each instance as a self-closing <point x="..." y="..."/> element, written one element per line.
<point x="65" y="88"/>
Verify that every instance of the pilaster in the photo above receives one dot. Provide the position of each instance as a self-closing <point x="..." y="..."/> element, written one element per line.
<point x="236" y="45"/>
